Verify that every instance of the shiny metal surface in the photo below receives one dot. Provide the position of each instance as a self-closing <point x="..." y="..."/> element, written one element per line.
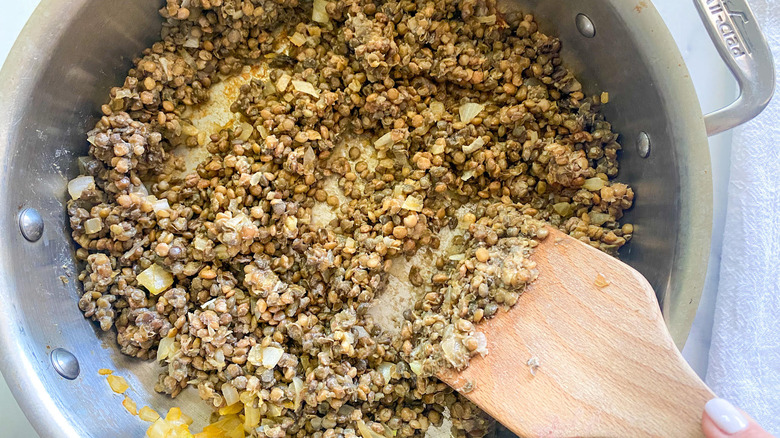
<point x="737" y="36"/>
<point x="31" y="224"/>
<point x="71" y="53"/>
<point x="65" y="363"/>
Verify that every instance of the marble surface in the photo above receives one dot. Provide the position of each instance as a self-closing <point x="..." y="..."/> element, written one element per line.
<point x="708" y="74"/>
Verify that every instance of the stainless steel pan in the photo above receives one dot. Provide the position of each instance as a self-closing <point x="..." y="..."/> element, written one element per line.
<point x="70" y="53"/>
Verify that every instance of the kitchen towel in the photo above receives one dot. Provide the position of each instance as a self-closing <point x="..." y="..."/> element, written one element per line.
<point x="744" y="363"/>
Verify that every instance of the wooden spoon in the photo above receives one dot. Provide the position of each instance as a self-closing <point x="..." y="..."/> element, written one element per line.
<point x="607" y="365"/>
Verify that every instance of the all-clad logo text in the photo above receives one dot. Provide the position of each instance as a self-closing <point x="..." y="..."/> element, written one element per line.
<point x="723" y="17"/>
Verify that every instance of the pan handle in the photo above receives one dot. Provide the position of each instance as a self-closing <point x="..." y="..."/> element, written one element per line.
<point x="737" y="36"/>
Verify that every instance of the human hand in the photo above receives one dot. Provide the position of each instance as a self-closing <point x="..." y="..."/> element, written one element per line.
<point x="722" y="420"/>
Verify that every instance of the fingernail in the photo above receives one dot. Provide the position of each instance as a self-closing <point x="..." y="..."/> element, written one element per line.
<point x="726" y="416"/>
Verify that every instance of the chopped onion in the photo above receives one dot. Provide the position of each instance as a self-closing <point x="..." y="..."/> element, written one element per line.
<point x="386" y="369"/>
<point x="481" y="343"/>
<point x="148" y="414"/>
<point x="487" y="19"/>
<point x="305" y="87"/>
<point x="437" y="108"/>
<point x="594" y="184"/>
<point x="140" y="189"/>
<point x="416" y="367"/>
<point x="384" y="141"/>
<point x="598" y="219"/>
<point x="412" y="203"/>
<point x="467" y="175"/>
<point x="230" y="393"/>
<point x="251" y="417"/>
<point x="272" y="356"/>
<point x="318" y="12"/>
<point x="474" y="146"/>
<point x="130" y="405"/>
<point x="308" y="158"/>
<point x="255" y="178"/>
<point x="77" y="185"/>
<point x="246" y="131"/>
<point x="457" y="257"/>
<point x="118" y="384"/>
<point x="92" y="226"/>
<point x="166" y="348"/>
<point x="283" y="82"/>
<point x="366" y="432"/>
<point x="191" y="42"/>
<point x="155" y="279"/>
<point x="297" y="388"/>
<point x="160" y="204"/>
<point x="255" y="356"/>
<point x="469" y="110"/>
<point x="298" y="39"/>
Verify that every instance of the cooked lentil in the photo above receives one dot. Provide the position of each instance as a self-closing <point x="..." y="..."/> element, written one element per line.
<point x="380" y="129"/>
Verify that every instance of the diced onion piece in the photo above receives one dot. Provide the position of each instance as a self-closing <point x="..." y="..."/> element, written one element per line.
<point x="467" y="175"/>
<point x="105" y="371"/>
<point x="297" y="387"/>
<point x="594" y="184"/>
<point x="308" y="158"/>
<point x="437" y="108"/>
<point x="384" y="141"/>
<point x="272" y="356"/>
<point x="318" y="12"/>
<point x="481" y="343"/>
<point x="118" y="384"/>
<point x="598" y="219"/>
<point x="274" y="410"/>
<point x="130" y="405"/>
<point x="92" y="226"/>
<point x="412" y="203"/>
<point x="160" y="204"/>
<point x="140" y="189"/>
<point x="155" y="279"/>
<point x="230" y="393"/>
<point x="416" y="367"/>
<point x="457" y="257"/>
<point x="469" y="110"/>
<point x="148" y="414"/>
<point x="298" y="39"/>
<point x="233" y="409"/>
<point x="77" y="185"/>
<point x="251" y="417"/>
<point x="366" y="432"/>
<point x="283" y="82"/>
<point x="437" y="148"/>
<point x="159" y="429"/>
<point x="166" y="348"/>
<point x="246" y="131"/>
<point x="191" y="42"/>
<point x="305" y="87"/>
<point x="255" y="356"/>
<point x="386" y="369"/>
<point x="487" y="19"/>
<point x="474" y="146"/>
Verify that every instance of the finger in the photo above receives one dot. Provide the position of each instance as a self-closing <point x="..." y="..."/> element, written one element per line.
<point x="722" y="420"/>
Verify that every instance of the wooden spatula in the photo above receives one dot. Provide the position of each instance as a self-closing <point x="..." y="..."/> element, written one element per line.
<point x="607" y="365"/>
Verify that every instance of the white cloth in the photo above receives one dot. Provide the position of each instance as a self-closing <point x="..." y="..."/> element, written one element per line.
<point x="744" y="363"/>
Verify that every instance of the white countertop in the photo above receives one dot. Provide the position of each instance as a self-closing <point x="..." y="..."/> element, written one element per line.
<point x="708" y="73"/>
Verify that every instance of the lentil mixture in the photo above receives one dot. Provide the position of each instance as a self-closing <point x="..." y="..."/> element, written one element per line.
<point x="411" y="144"/>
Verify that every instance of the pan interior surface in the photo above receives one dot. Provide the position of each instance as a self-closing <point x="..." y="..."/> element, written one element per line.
<point x="69" y="55"/>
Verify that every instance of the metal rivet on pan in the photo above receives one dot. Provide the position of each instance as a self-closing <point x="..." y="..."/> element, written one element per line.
<point x="643" y="144"/>
<point x="65" y="363"/>
<point x="585" y="26"/>
<point x="31" y="224"/>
